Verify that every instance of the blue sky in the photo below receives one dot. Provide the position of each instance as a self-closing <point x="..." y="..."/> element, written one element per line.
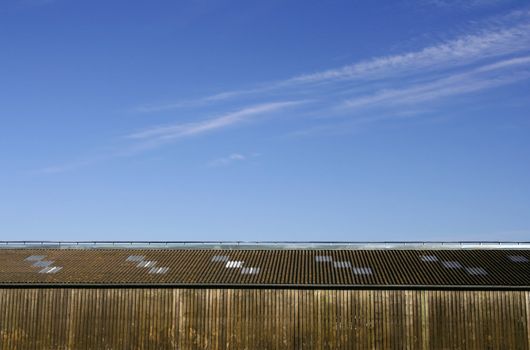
<point x="264" y="120"/>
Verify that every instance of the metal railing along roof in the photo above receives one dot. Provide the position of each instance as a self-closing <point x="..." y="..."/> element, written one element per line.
<point x="366" y="245"/>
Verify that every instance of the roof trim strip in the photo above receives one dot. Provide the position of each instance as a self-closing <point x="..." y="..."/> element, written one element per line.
<point x="264" y="245"/>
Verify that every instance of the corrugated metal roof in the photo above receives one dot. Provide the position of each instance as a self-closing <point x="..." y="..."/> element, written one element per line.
<point x="265" y="267"/>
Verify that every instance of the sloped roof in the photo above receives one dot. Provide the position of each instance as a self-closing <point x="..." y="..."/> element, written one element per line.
<point x="307" y="268"/>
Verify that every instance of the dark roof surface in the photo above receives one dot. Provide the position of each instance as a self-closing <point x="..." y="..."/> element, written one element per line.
<point x="502" y="268"/>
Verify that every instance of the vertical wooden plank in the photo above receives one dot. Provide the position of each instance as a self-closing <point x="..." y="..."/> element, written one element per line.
<point x="197" y="319"/>
<point x="526" y="300"/>
<point x="12" y="333"/>
<point x="3" y="318"/>
<point x="477" y="318"/>
<point x="345" y="317"/>
<point x="224" y="317"/>
<point x="379" y="320"/>
<point x="313" y="320"/>
<point x="495" y="319"/>
<point x="285" y="324"/>
<point x="449" y="319"/>
<point x="116" y="327"/>
<point x="31" y="316"/>
<point x="249" y="323"/>
<point x="408" y="338"/>
<point x="417" y="320"/>
<point x="229" y="319"/>
<point x="425" y="310"/>
<point x="472" y="330"/>
<point x="245" y="320"/>
<point x="177" y="302"/>
<point x="78" y="318"/>
<point x="339" y="302"/>
<point x="506" y="333"/>
<point x="485" y="309"/>
<point x="39" y="329"/>
<point x="16" y="332"/>
<point x="332" y="324"/>
<point x="266" y="341"/>
<point x="305" y="310"/>
<point x="365" y="317"/>
<point x="211" y="330"/>
<point x="217" y="320"/>
<point x="393" y="320"/>
<point x="48" y="312"/>
<point x="504" y="322"/>
<point x="22" y="314"/>
<point x="458" y="315"/>
<point x="186" y="319"/>
<point x="259" y="319"/>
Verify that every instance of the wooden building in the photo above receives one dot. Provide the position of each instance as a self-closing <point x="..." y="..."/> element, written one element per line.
<point x="264" y="296"/>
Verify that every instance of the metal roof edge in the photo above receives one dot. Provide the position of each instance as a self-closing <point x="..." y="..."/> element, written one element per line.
<point x="265" y="245"/>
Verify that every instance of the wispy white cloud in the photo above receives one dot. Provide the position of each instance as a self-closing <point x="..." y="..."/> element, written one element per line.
<point x="465" y="4"/>
<point x="408" y="99"/>
<point x="155" y="137"/>
<point x="507" y="63"/>
<point x="31" y="3"/>
<point x="191" y="103"/>
<point x="67" y="167"/>
<point x="504" y="36"/>
<point x="56" y="169"/>
<point x="174" y="131"/>
<point x="453" y="85"/>
<point x="494" y="55"/>
<point x="349" y="125"/>
<point x="463" y="50"/>
<point x="224" y="161"/>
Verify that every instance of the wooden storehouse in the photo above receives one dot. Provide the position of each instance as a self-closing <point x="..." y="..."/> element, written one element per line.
<point x="118" y="295"/>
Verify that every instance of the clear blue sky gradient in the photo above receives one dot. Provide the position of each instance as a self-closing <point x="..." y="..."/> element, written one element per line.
<point x="264" y="120"/>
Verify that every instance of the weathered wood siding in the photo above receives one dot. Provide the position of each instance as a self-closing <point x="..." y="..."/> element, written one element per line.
<point x="165" y="318"/>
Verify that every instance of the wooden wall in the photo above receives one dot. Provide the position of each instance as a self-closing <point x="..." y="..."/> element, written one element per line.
<point x="129" y="318"/>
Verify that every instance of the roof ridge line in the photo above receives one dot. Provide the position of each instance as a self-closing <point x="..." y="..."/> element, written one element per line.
<point x="334" y="245"/>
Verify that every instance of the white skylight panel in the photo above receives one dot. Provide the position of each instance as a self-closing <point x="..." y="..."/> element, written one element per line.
<point x="323" y="258"/>
<point x="220" y="258"/>
<point x="45" y="265"/>
<point x="146" y="263"/>
<point x="250" y="270"/>
<point x="136" y="258"/>
<point x="429" y="258"/>
<point x="476" y="271"/>
<point x="159" y="270"/>
<point x="51" y="269"/>
<point x="342" y="264"/>
<point x="518" y="258"/>
<point x="42" y="263"/>
<point x="234" y="264"/>
<point x="35" y="257"/>
<point x="362" y="270"/>
<point x="452" y="264"/>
